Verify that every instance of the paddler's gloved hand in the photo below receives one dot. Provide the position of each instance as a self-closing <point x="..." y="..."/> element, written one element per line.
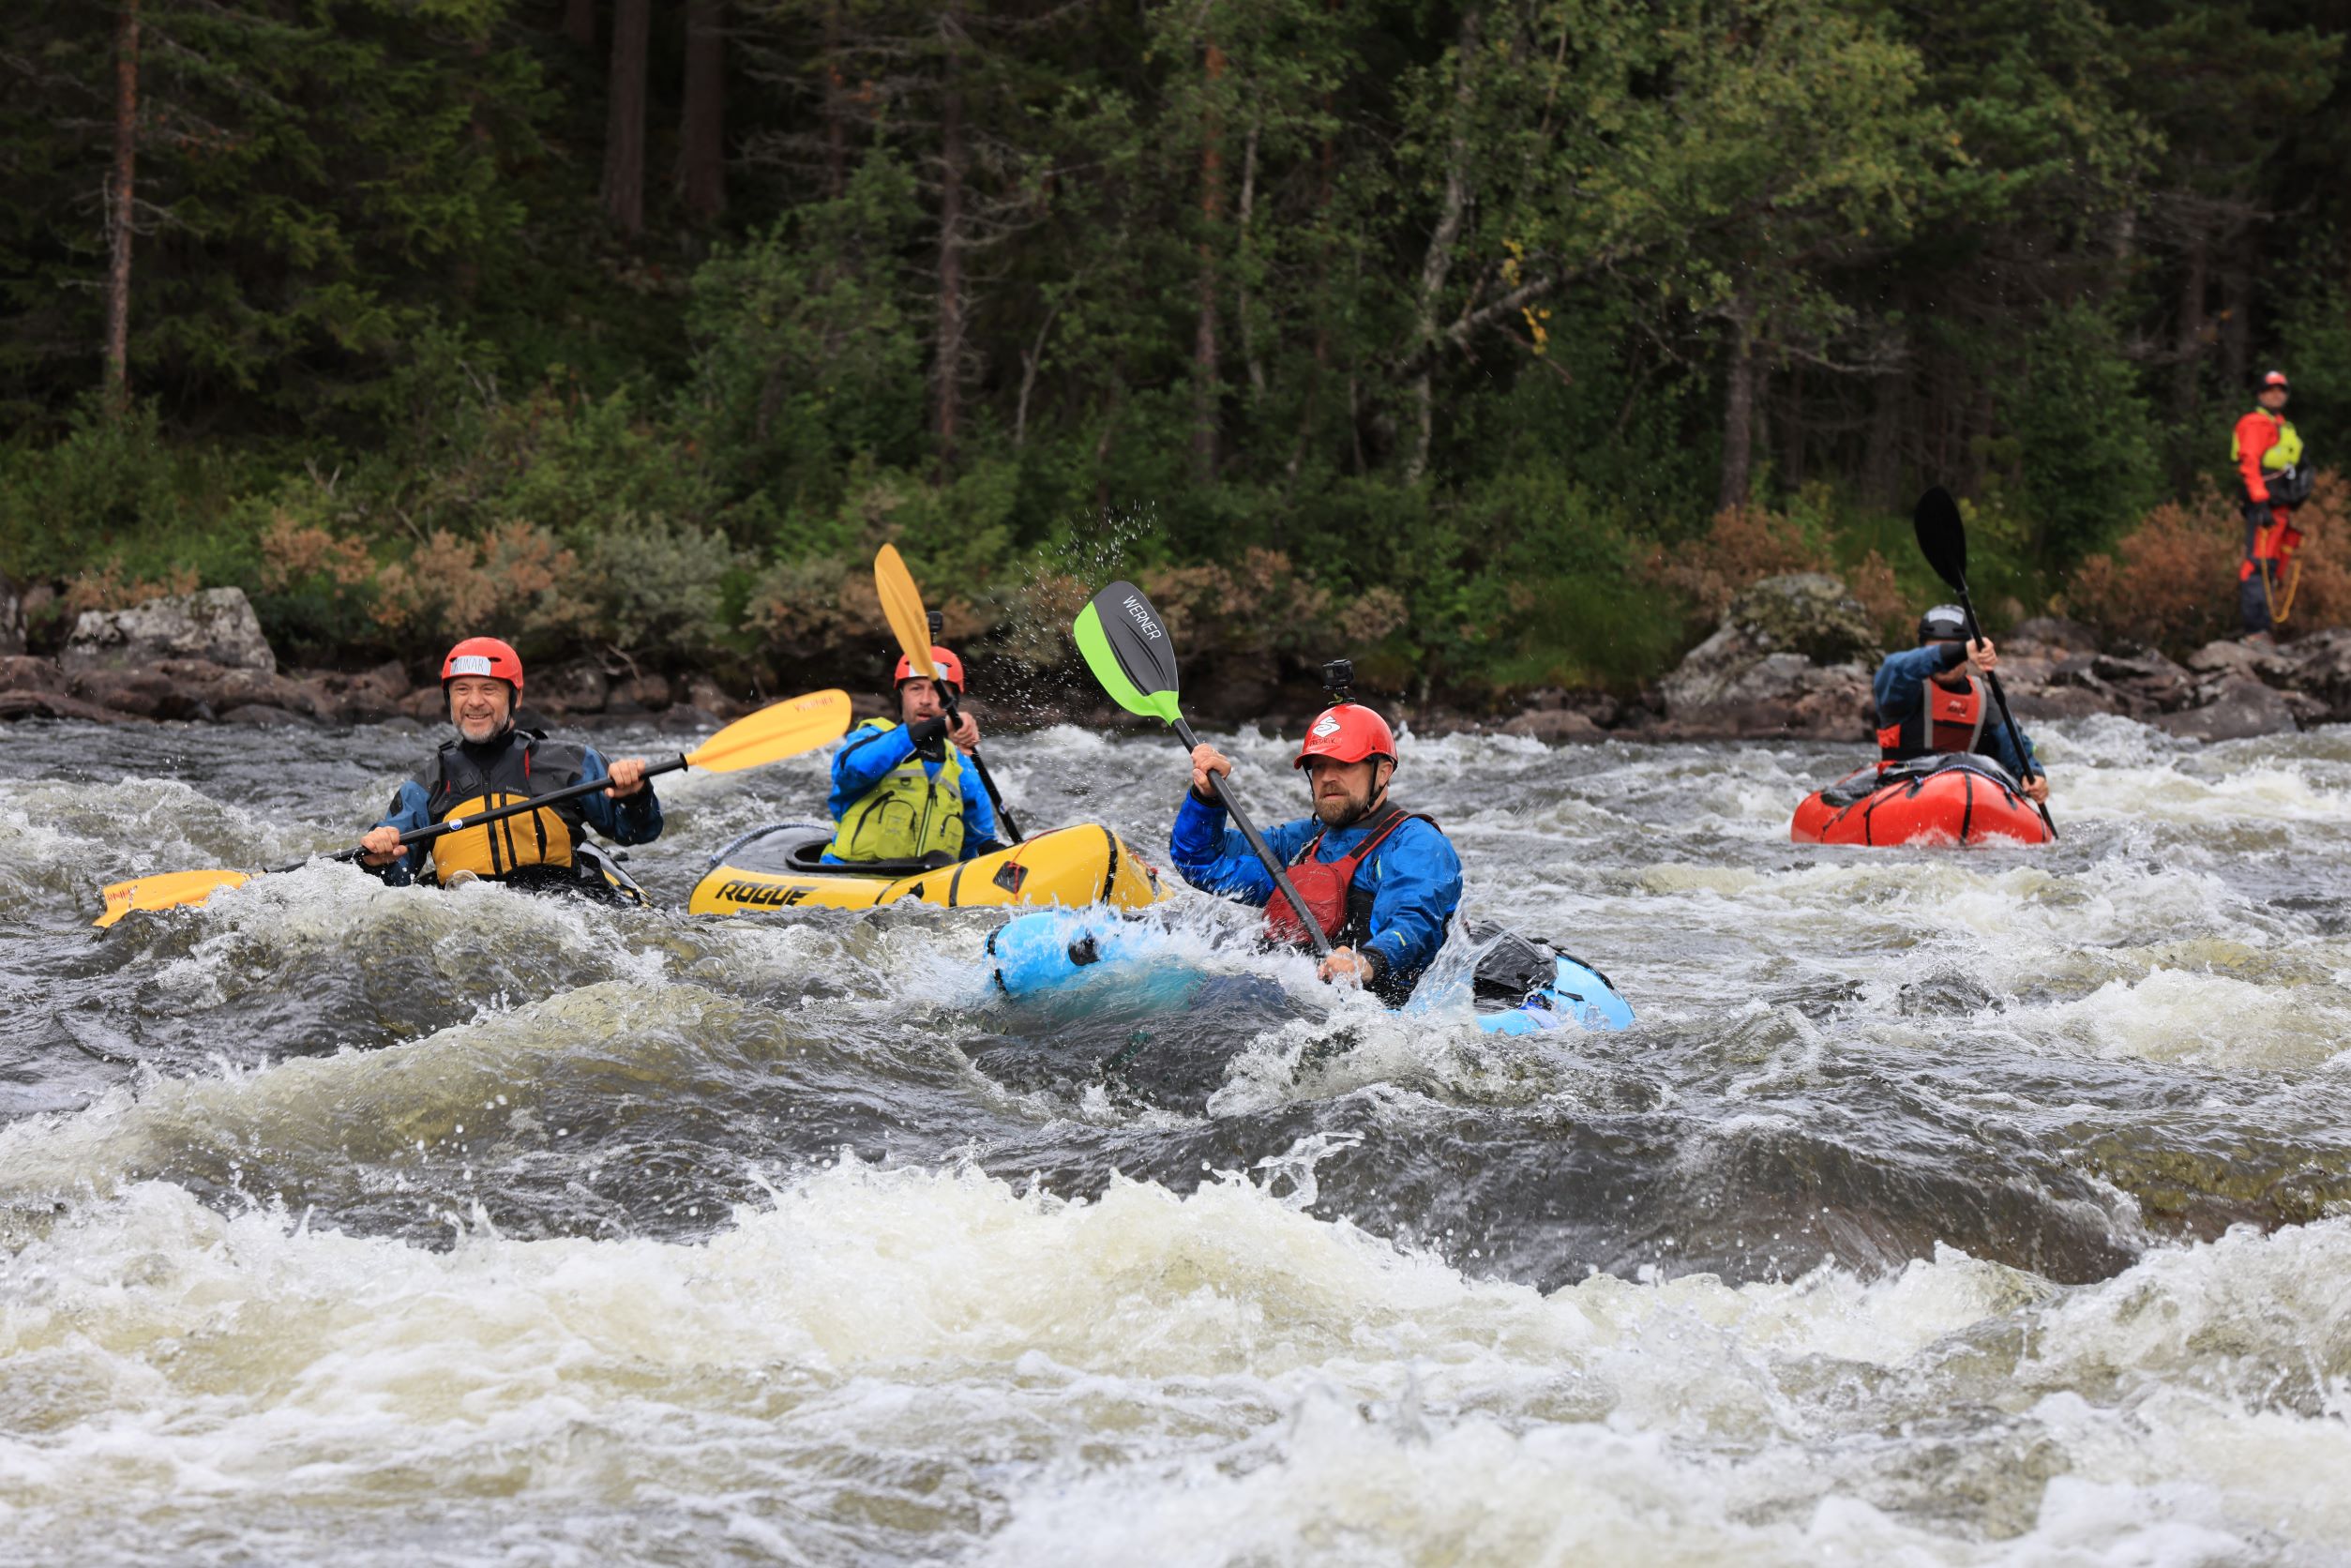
<point x="1207" y="763"/>
<point x="381" y="846"/>
<point x="929" y="736"/>
<point x="1352" y="968"/>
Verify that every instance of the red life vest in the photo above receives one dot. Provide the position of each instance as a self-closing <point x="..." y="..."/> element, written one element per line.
<point x="1329" y="889"/>
<point x="1946" y="720"/>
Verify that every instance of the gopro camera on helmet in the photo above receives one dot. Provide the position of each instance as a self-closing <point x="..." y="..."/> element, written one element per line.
<point x="936" y="621"/>
<point x="1338" y="676"/>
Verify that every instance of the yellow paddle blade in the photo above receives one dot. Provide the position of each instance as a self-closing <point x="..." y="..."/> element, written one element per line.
<point x="779" y="730"/>
<point x="902" y="602"/>
<point x="167" y="891"/>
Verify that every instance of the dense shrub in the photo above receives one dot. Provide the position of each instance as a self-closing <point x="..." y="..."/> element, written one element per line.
<point x="2171" y="582"/>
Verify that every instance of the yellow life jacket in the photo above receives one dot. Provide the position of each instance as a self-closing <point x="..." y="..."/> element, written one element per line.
<point x="463" y="786"/>
<point x="2283" y="453"/>
<point x="909" y="814"/>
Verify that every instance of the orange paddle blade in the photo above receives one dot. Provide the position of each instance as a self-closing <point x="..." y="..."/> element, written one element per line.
<point x="902" y="602"/>
<point x="168" y="891"/>
<point x="779" y="730"/>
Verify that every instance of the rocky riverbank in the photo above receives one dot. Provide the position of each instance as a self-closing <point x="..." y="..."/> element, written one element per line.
<point x="1792" y="658"/>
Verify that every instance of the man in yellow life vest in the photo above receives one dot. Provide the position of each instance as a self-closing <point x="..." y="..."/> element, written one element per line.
<point x="900" y="791"/>
<point x="2268" y="452"/>
<point x="494" y="762"/>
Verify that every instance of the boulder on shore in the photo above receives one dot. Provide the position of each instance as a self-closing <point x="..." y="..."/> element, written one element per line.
<point x="216" y="625"/>
<point x="1793" y="657"/>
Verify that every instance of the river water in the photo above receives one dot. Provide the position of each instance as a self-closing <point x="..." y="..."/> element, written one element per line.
<point x="1944" y="1207"/>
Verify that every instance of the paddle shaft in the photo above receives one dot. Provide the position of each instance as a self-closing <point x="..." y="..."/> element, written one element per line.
<point x="455" y="824"/>
<point x="1999" y="700"/>
<point x="979" y="764"/>
<point x="1257" y="841"/>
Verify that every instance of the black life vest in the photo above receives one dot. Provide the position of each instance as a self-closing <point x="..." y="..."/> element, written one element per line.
<point x="1946" y="720"/>
<point x="1338" y="900"/>
<point x="462" y="779"/>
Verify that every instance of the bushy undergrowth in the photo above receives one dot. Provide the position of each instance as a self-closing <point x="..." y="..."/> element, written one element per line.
<point x="2171" y="582"/>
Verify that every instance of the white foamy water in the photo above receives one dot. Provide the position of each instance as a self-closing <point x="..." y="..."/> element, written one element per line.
<point x="1944" y="1207"/>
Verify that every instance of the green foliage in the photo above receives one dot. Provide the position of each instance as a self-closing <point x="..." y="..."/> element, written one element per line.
<point x="656" y="588"/>
<point x="1419" y="327"/>
<point x="2084" y="441"/>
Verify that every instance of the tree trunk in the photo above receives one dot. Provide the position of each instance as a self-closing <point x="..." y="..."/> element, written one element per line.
<point x="948" y="375"/>
<point x="123" y="188"/>
<point x="702" y="128"/>
<point x="1436" y="265"/>
<point x="2237" y="304"/>
<point x="624" y="128"/>
<point x="580" y="23"/>
<point x="1326" y="181"/>
<point x="1881" y="464"/>
<point x="2189" y="340"/>
<point x="1245" y="262"/>
<point x="835" y="108"/>
<point x="1792" y="430"/>
<point x="1739" y="411"/>
<point x="1212" y="214"/>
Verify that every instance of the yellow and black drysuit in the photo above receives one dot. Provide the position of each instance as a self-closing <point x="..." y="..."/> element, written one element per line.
<point x="532" y="848"/>
<point x="903" y="793"/>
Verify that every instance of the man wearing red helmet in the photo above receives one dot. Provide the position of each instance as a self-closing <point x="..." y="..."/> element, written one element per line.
<point x="1382" y="883"/>
<point x="900" y="791"/>
<point x="495" y="760"/>
<point x="2268" y="452"/>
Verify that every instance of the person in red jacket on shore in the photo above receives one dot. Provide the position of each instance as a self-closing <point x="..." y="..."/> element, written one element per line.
<point x="2267" y="453"/>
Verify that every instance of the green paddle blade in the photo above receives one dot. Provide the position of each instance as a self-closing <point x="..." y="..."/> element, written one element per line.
<point x="1126" y="646"/>
<point x="1942" y="536"/>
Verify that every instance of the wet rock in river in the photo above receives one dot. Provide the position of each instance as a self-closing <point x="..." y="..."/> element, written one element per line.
<point x="580" y="687"/>
<point x="2239" y="708"/>
<point x="216" y="625"/>
<point x="1793" y="657"/>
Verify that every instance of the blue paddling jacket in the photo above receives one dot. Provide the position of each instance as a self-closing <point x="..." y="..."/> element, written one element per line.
<point x="1917" y="719"/>
<point x="1413" y="878"/>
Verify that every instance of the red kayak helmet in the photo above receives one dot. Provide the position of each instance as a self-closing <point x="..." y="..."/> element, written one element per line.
<point x="949" y="667"/>
<point x="1347" y="733"/>
<point x="483" y="655"/>
<point x="2276" y="379"/>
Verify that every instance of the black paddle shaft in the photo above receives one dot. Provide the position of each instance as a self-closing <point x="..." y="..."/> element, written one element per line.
<point x="1943" y="540"/>
<point x="1257" y="841"/>
<point x="479" y="819"/>
<point x="979" y="764"/>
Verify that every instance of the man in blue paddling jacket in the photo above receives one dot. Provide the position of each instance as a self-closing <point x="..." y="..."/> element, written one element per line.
<point x="495" y="760"/>
<point x="1931" y="701"/>
<point x="900" y="791"/>
<point x="1382" y="883"/>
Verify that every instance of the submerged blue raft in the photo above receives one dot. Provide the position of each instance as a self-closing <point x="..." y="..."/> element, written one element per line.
<point x="1520" y="984"/>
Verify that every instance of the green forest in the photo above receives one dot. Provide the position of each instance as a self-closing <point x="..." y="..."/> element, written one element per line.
<point x="1490" y="343"/>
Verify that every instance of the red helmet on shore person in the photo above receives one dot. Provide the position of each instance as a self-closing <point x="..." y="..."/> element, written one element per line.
<point x="484" y="655"/>
<point x="949" y="667"/>
<point x="1349" y="733"/>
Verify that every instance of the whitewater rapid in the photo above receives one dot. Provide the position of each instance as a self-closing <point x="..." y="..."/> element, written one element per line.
<point x="1942" y="1208"/>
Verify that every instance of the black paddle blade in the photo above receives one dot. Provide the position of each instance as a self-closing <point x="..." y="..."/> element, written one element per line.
<point x="1127" y="646"/>
<point x="1943" y="538"/>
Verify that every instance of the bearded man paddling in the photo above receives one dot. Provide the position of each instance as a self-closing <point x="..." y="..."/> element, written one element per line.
<point x="496" y="759"/>
<point x="1382" y="881"/>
